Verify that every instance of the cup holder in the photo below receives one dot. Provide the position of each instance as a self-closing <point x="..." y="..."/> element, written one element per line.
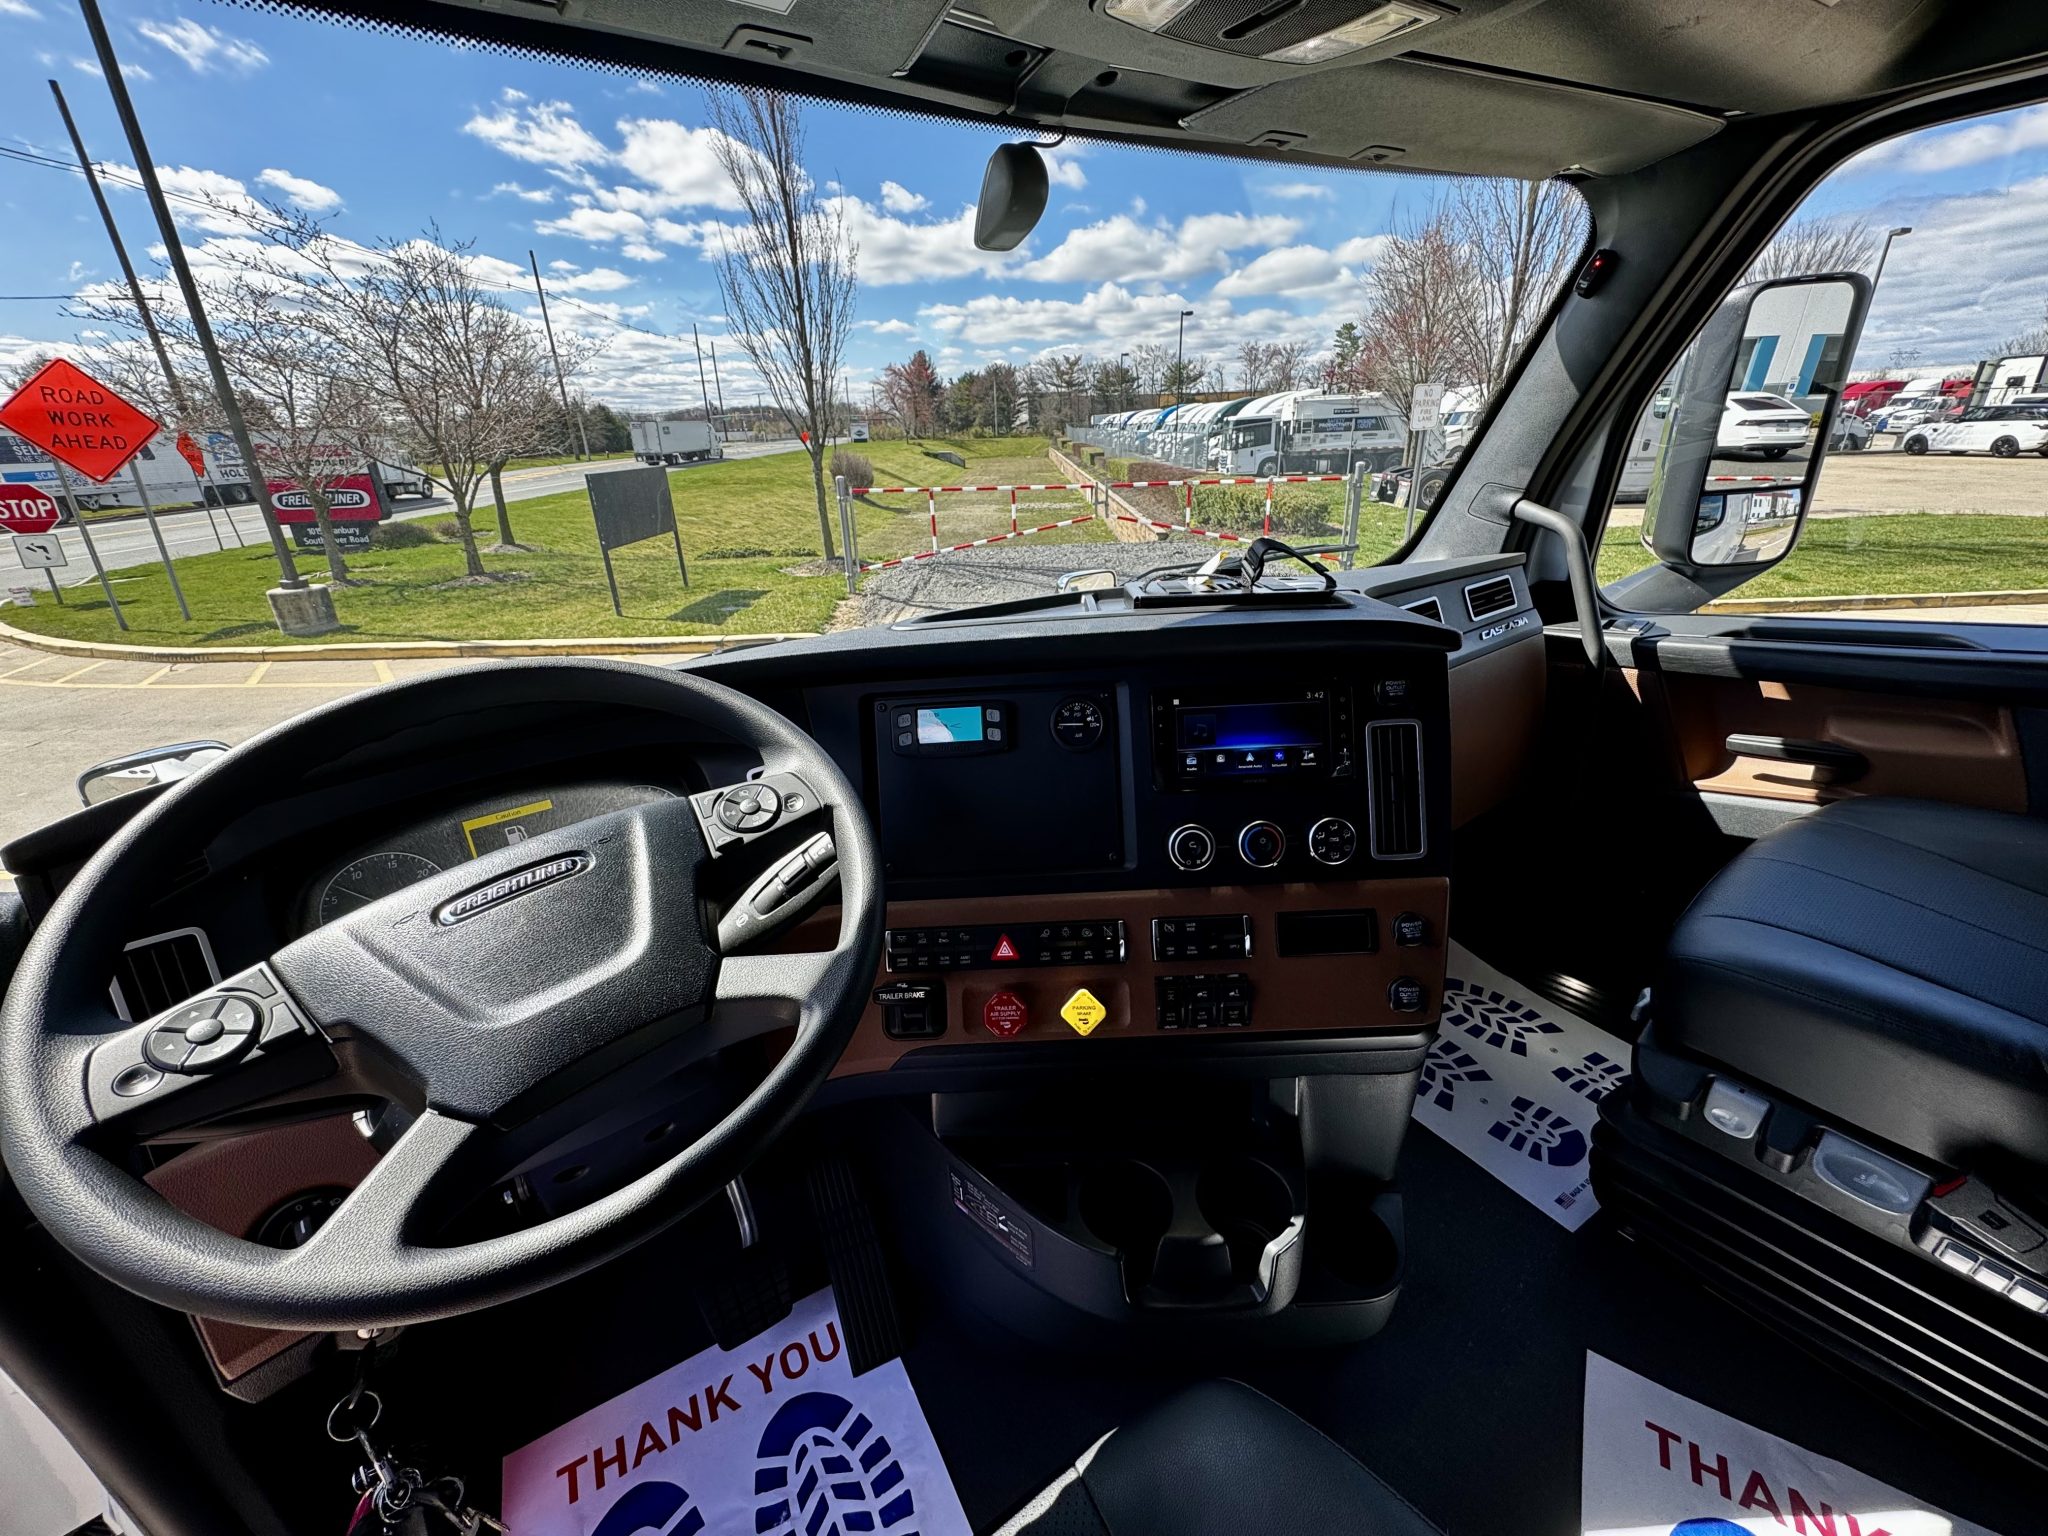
<point x="1128" y="1206"/>
<point x="1249" y="1204"/>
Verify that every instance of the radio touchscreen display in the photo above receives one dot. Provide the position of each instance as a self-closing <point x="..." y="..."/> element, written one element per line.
<point x="1244" y="737"/>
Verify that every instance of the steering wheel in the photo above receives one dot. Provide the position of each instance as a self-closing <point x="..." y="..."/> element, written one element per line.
<point x="503" y="1001"/>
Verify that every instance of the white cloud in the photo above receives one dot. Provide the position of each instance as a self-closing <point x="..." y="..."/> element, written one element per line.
<point x="1995" y="237"/>
<point x="1295" y="191"/>
<point x="300" y="192"/>
<point x="680" y="163"/>
<point x="20" y="8"/>
<point x="78" y="272"/>
<point x="893" y="328"/>
<point x="524" y="194"/>
<point x="1121" y="249"/>
<point x="898" y="251"/>
<point x="596" y="280"/>
<point x="199" y="199"/>
<point x="898" y="198"/>
<point x="204" y="49"/>
<point x="1948" y="149"/>
<point x="1063" y="168"/>
<point x="91" y="67"/>
<point x="540" y="133"/>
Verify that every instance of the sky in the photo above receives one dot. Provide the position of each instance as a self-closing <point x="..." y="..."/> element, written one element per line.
<point x="610" y="180"/>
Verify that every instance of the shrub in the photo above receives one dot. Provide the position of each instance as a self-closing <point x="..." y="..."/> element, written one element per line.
<point x="400" y="536"/>
<point x="1298" y="513"/>
<point x="854" y="466"/>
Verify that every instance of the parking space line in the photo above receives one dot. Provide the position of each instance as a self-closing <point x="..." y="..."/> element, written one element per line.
<point x="11" y="672"/>
<point x="257" y="676"/>
<point x="159" y="672"/>
<point x="383" y="671"/>
<point x="90" y="666"/>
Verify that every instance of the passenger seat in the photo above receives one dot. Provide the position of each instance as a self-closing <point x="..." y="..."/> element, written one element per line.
<point x="1885" y="962"/>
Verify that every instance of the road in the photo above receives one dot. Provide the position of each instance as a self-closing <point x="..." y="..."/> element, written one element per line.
<point x="202" y="532"/>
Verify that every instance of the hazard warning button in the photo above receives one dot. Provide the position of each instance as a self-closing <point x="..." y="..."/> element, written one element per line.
<point x="1083" y="1011"/>
<point x="1004" y="950"/>
<point x="1004" y="1015"/>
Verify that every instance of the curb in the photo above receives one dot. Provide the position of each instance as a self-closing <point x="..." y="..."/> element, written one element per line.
<point x="1139" y="533"/>
<point x="1879" y="600"/>
<point x="397" y="650"/>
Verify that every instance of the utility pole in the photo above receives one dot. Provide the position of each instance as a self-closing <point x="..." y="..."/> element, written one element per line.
<point x="311" y="616"/>
<point x="561" y="384"/>
<point x="1180" y="352"/>
<point x="719" y="385"/>
<point x="99" y="197"/>
<point x="702" y="388"/>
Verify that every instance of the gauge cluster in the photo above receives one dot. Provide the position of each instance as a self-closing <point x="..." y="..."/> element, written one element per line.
<point x="412" y="850"/>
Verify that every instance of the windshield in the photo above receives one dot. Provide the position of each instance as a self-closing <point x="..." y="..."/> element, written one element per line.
<point x="511" y="341"/>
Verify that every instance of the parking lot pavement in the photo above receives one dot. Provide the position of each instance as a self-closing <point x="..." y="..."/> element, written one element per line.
<point x="1935" y="482"/>
<point x="60" y="715"/>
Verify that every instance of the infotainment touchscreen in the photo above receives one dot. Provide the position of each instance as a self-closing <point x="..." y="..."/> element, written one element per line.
<point x="1238" y="737"/>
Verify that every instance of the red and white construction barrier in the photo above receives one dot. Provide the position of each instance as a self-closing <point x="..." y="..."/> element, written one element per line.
<point x="1187" y="523"/>
<point x="994" y="538"/>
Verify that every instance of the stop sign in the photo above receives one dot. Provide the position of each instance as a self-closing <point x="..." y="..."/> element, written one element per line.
<point x="26" y="509"/>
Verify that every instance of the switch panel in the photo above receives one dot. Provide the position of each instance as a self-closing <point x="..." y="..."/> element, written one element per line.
<point x="1204" y="1002"/>
<point x="1007" y="946"/>
<point x="1221" y="937"/>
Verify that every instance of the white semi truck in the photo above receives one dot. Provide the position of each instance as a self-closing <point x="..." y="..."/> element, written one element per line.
<point x="675" y="442"/>
<point x="1305" y="431"/>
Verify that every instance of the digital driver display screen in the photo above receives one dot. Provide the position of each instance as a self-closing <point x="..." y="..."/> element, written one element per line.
<point x="1230" y="739"/>
<point x="948" y="724"/>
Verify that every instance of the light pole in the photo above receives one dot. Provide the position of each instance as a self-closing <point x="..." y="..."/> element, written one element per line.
<point x="1180" y="384"/>
<point x="1878" y="276"/>
<point x="1123" y="393"/>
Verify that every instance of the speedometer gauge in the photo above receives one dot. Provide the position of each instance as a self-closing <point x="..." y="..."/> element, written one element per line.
<point x="372" y="876"/>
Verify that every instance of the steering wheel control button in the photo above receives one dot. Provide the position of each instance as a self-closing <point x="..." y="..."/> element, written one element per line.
<point x="1333" y="840"/>
<point x="1410" y="930"/>
<point x="238" y="1016"/>
<point x="205" y="1032"/>
<point x="1406" y="995"/>
<point x="750" y="808"/>
<point x="1083" y="1012"/>
<point x="208" y="1054"/>
<point x="167" y="1047"/>
<point x="133" y="1082"/>
<point x="1261" y="844"/>
<point x="1004" y="1015"/>
<point x="1191" y="847"/>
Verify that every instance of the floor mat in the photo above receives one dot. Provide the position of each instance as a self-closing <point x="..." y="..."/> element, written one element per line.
<point x="1657" y="1464"/>
<point x="1514" y="1083"/>
<point x="775" y="1436"/>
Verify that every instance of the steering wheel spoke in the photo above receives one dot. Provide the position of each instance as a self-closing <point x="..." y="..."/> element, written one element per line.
<point x="232" y="1049"/>
<point x="406" y="1193"/>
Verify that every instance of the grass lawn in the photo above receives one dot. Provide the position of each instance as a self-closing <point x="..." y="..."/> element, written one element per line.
<point x="748" y="528"/>
<point x="1905" y="552"/>
<point x="544" y="461"/>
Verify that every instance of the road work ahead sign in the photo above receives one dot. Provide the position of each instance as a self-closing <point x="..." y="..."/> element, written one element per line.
<point x="77" y="420"/>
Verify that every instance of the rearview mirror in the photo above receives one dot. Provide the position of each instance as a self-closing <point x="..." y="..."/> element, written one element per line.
<point x="1013" y="193"/>
<point x="1749" y="422"/>
<point x="145" y="770"/>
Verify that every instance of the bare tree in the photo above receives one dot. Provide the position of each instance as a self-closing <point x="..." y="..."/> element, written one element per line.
<point x="1522" y="239"/>
<point x="788" y="277"/>
<point x="1288" y="365"/>
<point x="2031" y="342"/>
<point x="1418" y="327"/>
<point x="1151" y="361"/>
<point x="1817" y="244"/>
<point x="301" y="390"/>
<point x="1255" y="364"/>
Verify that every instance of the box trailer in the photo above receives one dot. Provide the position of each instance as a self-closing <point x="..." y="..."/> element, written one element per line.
<point x="675" y="442"/>
<point x="1308" y="432"/>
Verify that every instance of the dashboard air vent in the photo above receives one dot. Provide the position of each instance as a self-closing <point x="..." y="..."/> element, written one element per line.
<point x="1429" y="608"/>
<point x="163" y="970"/>
<point x="1393" y="783"/>
<point x="1483" y="599"/>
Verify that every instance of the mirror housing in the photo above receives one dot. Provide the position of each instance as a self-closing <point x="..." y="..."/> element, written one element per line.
<point x="1013" y="193"/>
<point x="1719" y="506"/>
<point x="147" y="769"/>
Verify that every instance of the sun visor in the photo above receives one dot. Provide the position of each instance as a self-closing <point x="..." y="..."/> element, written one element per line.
<point x="1427" y="116"/>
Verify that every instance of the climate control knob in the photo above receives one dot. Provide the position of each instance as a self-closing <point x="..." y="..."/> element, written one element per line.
<point x="1261" y="844"/>
<point x="1332" y="841"/>
<point x="1191" y="847"/>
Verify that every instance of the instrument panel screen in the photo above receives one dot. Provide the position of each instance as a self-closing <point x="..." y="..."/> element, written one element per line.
<point x="1260" y="737"/>
<point x="949" y="724"/>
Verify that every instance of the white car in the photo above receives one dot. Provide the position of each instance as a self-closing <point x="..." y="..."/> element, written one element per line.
<point x="2003" y="431"/>
<point x="1760" y="423"/>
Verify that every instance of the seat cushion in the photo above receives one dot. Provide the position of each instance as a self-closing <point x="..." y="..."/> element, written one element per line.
<point x="1885" y="961"/>
<point x="1217" y="1460"/>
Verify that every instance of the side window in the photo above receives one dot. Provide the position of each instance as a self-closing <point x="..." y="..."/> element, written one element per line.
<point x="1930" y="488"/>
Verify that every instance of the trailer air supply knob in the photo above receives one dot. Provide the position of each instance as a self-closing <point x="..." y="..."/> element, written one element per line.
<point x="1261" y="844"/>
<point x="1191" y="847"/>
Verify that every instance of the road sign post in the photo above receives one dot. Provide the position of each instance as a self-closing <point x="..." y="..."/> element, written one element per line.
<point x="30" y="514"/>
<point x="42" y="552"/>
<point x="78" y="512"/>
<point x="156" y="532"/>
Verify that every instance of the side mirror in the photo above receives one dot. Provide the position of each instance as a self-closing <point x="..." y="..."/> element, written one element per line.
<point x="1749" y="425"/>
<point x="1013" y="193"/>
<point x="145" y="770"/>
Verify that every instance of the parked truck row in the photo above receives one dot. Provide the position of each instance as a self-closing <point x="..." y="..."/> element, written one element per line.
<point x="1295" y="432"/>
<point x="675" y="442"/>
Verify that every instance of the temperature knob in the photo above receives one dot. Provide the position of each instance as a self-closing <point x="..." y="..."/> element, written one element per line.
<point x="1261" y="844"/>
<point x="1191" y="847"/>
